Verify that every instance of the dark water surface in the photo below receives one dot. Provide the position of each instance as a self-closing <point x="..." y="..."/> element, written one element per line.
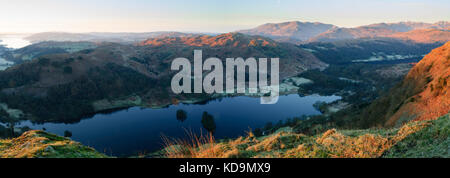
<point x="138" y="130"/>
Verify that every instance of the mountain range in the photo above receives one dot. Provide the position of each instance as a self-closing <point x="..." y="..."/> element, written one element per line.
<point x="302" y="32"/>
<point x="293" y="32"/>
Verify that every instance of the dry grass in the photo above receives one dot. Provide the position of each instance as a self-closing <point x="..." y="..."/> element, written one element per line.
<point x="367" y="145"/>
<point x="287" y="144"/>
<point x="203" y="146"/>
<point x="38" y="144"/>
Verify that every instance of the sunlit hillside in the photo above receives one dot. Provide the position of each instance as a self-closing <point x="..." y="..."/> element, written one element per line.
<point x="423" y="95"/>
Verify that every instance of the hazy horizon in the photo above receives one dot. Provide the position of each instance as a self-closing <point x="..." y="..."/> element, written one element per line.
<point x="21" y="33"/>
<point x="83" y="16"/>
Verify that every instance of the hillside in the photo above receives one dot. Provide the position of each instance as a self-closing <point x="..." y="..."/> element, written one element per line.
<point x="45" y="48"/>
<point x="415" y="139"/>
<point x="424" y="36"/>
<point x="352" y="33"/>
<point x="294" y="31"/>
<point x="2" y="48"/>
<point x="389" y="30"/>
<point x="409" y="26"/>
<point x="369" y="50"/>
<point x="430" y="142"/>
<point x="423" y="94"/>
<point x="4" y="63"/>
<point x="224" y="40"/>
<point x="39" y="144"/>
<point x="293" y="60"/>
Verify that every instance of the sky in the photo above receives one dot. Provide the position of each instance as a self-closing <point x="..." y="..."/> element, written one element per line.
<point x="31" y="16"/>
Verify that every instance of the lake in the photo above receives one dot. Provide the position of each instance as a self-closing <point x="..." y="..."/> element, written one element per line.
<point x="138" y="130"/>
<point x="14" y="40"/>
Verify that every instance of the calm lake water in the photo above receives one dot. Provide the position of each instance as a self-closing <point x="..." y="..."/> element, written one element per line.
<point x="136" y="130"/>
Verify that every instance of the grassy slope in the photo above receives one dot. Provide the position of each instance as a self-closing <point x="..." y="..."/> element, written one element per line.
<point x="415" y="139"/>
<point x="433" y="141"/>
<point x="39" y="144"/>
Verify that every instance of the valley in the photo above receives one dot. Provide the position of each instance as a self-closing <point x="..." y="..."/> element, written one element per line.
<point x="112" y="91"/>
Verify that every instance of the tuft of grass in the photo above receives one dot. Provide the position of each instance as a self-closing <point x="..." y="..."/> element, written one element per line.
<point x="202" y="146"/>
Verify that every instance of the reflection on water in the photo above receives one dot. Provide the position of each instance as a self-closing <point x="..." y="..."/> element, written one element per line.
<point x="181" y="115"/>
<point x="133" y="130"/>
<point x="208" y="122"/>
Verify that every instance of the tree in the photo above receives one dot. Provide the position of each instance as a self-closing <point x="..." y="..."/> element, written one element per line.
<point x="67" y="133"/>
<point x="208" y="122"/>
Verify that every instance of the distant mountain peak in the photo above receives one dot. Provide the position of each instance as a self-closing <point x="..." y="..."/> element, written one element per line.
<point x="292" y="30"/>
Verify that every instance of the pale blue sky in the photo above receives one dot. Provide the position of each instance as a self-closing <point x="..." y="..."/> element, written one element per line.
<point x="206" y="15"/>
